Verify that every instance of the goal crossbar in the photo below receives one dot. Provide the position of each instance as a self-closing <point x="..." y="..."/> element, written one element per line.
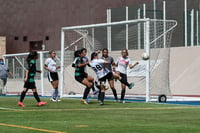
<point x="113" y="23"/>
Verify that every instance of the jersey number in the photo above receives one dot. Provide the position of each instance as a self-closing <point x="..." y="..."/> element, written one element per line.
<point x="97" y="68"/>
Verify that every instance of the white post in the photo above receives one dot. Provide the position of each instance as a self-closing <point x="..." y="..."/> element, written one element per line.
<point x="154" y="16"/>
<point x="164" y="23"/>
<point x="144" y="16"/>
<point x="5" y="60"/>
<point x="127" y="28"/>
<point x="154" y="9"/>
<point x="13" y="63"/>
<point x="41" y="75"/>
<point x="109" y="29"/>
<point x="139" y="30"/>
<point x="197" y="17"/>
<point x="192" y="27"/>
<point x="62" y="63"/>
<point x="185" y="8"/>
<point x="147" y="49"/>
<point x="84" y="41"/>
<point x="144" y="11"/>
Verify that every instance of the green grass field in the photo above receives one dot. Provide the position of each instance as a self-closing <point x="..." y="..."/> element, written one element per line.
<point x="70" y="116"/>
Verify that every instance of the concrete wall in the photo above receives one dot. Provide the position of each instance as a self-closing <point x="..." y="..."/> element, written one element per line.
<point x="185" y="71"/>
<point x="2" y="46"/>
<point x="184" y="75"/>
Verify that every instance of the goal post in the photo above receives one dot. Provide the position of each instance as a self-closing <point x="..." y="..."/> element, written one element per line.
<point x="151" y="77"/>
<point x="17" y="65"/>
<point x="107" y="25"/>
<point x="147" y="50"/>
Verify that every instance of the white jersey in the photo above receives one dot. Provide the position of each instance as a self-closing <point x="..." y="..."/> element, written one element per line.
<point x="51" y="64"/>
<point x="100" y="71"/>
<point x="122" y="64"/>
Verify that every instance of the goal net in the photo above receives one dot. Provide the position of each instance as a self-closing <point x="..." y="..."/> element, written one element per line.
<point x="17" y="65"/>
<point x="151" y="77"/>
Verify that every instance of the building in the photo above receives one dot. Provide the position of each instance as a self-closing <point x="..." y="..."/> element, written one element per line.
<point x="36" y="24"/>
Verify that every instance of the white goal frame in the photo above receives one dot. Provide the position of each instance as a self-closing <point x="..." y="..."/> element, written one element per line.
<point x="41" y="57"/>
<point x="146" y="41"/>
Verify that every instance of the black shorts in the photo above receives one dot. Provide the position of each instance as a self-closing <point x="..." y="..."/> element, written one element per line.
<point x="81" y="77"/>
<point x="109" y="76"/>
<point x="52" y="76"/>
<point x="29" y="85"/>
<point x="4" y="81"/>
<point x="123" y="76"/>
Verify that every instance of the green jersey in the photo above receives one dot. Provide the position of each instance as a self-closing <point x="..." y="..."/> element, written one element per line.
<point x="79" y="70"/>
<point x="32" y="70"/>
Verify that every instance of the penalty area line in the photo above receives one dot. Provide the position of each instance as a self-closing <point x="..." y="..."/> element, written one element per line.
<point x="31" y="128"/>
<point x="1" y="108"/>
<point x="99" y="109"/>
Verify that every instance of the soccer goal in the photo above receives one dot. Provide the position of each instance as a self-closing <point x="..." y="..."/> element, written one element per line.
<point x="17" y="65"/>
<point x="151" y="77"/>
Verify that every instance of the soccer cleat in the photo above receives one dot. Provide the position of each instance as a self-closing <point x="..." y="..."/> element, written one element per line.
<point x="58" y="100"/>
<point x="21" y="104"/>
<point x="115" y="100"/>
<point x="131" y="85"/>
<point x="101" y="103"/>
<point x="53" y="100"/>
<point x="84" y="101"/>
<point x="122" y="101"/>
<point x="41" y="103"/>
<point x="87" y="100"/>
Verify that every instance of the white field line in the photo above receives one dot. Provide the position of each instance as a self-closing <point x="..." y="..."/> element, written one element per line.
<point x="2" y="108"/>
<point x="95" y="109"/>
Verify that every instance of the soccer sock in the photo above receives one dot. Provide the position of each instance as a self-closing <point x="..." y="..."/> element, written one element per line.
<point x="53" y="93"/>
<point x="114" y="93"/>
<point x="36" y="96"/>
<point x="99" y="95"/>
<point x="123" y="94"/>
<point x="56" y="93"/>
<point x="86" y="92"/>
<point x="98" y="86"/>
<point x="93" y="89"/>
<point x="102" y="95"/>
<point x="23" y="94"/>
<point x="124" y="82"/>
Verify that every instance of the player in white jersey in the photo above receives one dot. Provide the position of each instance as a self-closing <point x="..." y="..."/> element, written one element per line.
<point x="122" y="63"/>
<point x="51" y="66"/>
<point x="102" y="73"/>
